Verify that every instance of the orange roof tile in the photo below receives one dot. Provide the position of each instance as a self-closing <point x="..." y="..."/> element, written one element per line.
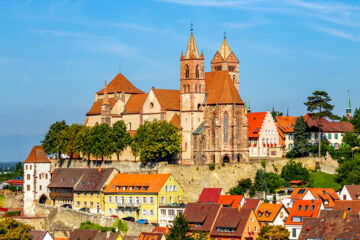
<point x="221" y="89"/>
<point x="325" y="194"/>
<point x="255" y="121"/>
<point x="230" y="200"/>
<point x="298" y="193"/>
<point x="267" y="212"/>
<point x="285" y="123"/>
<point x="96" y="107"/>
<point x="175" y="120"/>
<point x="351" y="207"/>
<point x="168" y="99"/>
<point x="120" y="84"/>
<point x="151" y="236"/>
<point x="303" y="208"/>
<point x="135" y="103"/>
<point x="136" y="183"/>
<point x="37" y="155"/>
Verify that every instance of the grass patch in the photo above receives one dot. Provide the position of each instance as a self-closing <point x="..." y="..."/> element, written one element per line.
<point x="2" y="200"/>
<point x="324" y="180"/>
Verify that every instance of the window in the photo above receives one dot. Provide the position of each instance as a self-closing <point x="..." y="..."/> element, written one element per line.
<point x="163" y="200"/>
<point x="199" y="88"/>
<point x="28" y="177"/>
<point x="122" y="200"/>
<point x="144" y="212"/>
<point x="130" y="211"/>
<point x="39" y="176"/>
<point x="30" y="167"/>
<point x="187" y="71"/>
<point x="163" y="212"/>
<point x="306" y="207"/>
<point x="294" y="232"/>
<point x="97" y="194"/>
<point x="312" y="207"/>
<point x="110" y="210"/>
<point x="85" y="203"/>
<point x="78" y="203"/>
<point x="231" y="68"/>
<point x="137" y="200"/>
<point x="316" y="135"/>
<point x="178" y="198"/>
<point x="171" y="212"/>
<point x="218" y="68"/>
<point x="184" y="88"/>
<point x="255" y="229"/>
<point x="78" y="194"/>
<point x="336" y="136"/>
<point x="349" y="209"/>
<point x="122" y="211"/>
<point x="226" y="120"/>
<point x="296" y="219"/>
<point x="116" y="199"/>
<point x="171" y="199"/>
<point x="131" y="188"/>
<point x="329" y="136"/>
<point x="252" y="219"/>
<point x="197" y="71"/>
<point x="26" y="166"/>
<point x="109" y="199"/>
<point x="344" y="197"/>
<point x="281" y="214"/>
<point x="130" y="199"/>
<point x="123" y="188"/>
<point x="91" y="204"/>
<point x="91" y="194"/>
<point x="85" y="193"/>
<point x="144" y="200"/>
<point x="299" y="207"/>
<point x="196" y="88"/>
<point x="151" y="200"/>
<point x="151" y="212"/>
<point x="188" y="88"/>
<point x="40" y="187"/>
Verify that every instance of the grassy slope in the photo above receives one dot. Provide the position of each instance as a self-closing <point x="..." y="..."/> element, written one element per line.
<point x="2" y="199"/>
<point x="324" y="180"/>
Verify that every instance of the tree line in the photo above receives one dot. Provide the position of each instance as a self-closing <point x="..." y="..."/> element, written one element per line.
<point x="153" y="141"/>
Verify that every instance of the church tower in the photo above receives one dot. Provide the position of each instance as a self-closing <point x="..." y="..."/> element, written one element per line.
<point x="105" y="108"/>
<point x="192" y="95"/>
<point x="348" y="108"/>
<point x="225" y="59"/>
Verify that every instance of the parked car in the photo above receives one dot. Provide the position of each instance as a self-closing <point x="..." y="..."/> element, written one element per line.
<point x="130" y="219"/>
<point x="142" y="221"/>
<point x="114" y="216"/>
<point x="66" y="205"/>
<point x="155" y="224"/>
<point x="84" y="209"/>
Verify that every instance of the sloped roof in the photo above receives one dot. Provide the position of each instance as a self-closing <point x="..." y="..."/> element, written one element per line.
<point x="66" y="177"/>
<point x="303" y="208"/>
<point x="191" y="50"/>
<point x="152" y="183"/>
<point x="135" y="103"/>
<point x="284" y="124"/>
<point x="255" y="121"/>
<point x="96" y="107"/>
<point x="37" y="155"/>
<point x="204" y="213"/>
<point x="120" y="84"/>
<point x="82" y="234"/>
<point x="151" y="236"/>
<point x="267" y="212"/>
<point x="323" y="194"/>
<point x="230" y="200"/>
<point x="354" y="191"/>
<point x="175" y="120"/>
<point x="210" y="195"/>
<point x="224" y="54"/>
<point x="327" y="126"/>
<point x="251" y="204"/>
<point x="38" y="234"/>
<point x="224" y="49"/>
<point x="168" y="99"/>
<point x="338" y="213"/>
<point x="352" y="207"/>
<point x="93" y="179"/>
<point x="220" y="89"/>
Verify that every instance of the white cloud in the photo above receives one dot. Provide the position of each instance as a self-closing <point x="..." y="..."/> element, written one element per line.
<point x="335" y="32"/>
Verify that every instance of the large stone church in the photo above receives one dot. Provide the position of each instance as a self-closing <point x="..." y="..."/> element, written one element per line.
<point x="207" y="109"/>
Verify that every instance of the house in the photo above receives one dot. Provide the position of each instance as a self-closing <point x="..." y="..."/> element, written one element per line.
<point x="232" y="223"/>
<point x="167" y="213"/>
<point x="351" y="207"/>
<point x="201" y="216"/>
<point x="140" y="195"/>
<point x="328" y="196"/>
<point x="285" y="126"/>
<point x="350" y="192"/>
<point x="332" y="213"/>
<point x="251" y="203"/>
<point x="263" y="135"/>
<point x="300" y="210"/>
<point x="271" y="214"/>
<point x="234" y="201"/>
<point x="40" y="235"/>
<point x="88" y="192"/>
<point x="82" y="234"/>
<point x="151" y="236"/>
<point x="210" y="195"/>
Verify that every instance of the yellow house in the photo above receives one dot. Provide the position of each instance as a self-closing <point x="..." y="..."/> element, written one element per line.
<point x="140" y="195"/>
<point x="88" y="191"/>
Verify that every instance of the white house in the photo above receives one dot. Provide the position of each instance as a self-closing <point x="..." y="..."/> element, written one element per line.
<point x="271" y="214"/>
<point x="350" y="192"/>
<point x="37" y="175"/>
<point x="167" y="213"/>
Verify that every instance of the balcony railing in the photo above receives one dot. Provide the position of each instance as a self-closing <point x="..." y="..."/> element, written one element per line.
<point x="61" y="195"/>
<point x="129" y="205"/>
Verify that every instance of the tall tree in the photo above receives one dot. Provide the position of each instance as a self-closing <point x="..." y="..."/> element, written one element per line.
<point x="319" y="105"/>
<point x="301" y="144"/>
<point x="242" y="186"/>
<point x="13" y="230"/>
<point x="102" y="142"/>
<point x="156" y="141"/>
<point x="71" y="135"/>
<point x="121" y="138"/>
<point x="53" y="142"/>
<point x="179" y="229"/>
<point x="294" y="171"/>
<point x="84" y="142"/>
<point x="121" y="227"/>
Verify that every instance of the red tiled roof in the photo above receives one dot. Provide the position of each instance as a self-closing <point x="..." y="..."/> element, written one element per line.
<point x="251" y="203"/>
<point x="175" y="120"/>
<point x="298" y="193"/>
<point x="210" y="195"/>
<point x="327" y="126"/>
<point x="150" y="236"/>
<point x="354" y="191"/>
<point x="267" y="212"/>
<point x="221" y="89"/>
<point x="37" y="155"/>
<point x="135" y="103"/>
<point x="255" y="121"/>
<point x="96" y="107"/>
<point x="15" y="182"/>
<point x="169" y="99"/>
<point x="230" y="200"/>
<point x="351" y="207"/>
<point x="120" y="84"/>
<point x="303" y="208"/>
<point x="284" y="124"/>
<point x="323" y="194"/>
<point x="203" y="214"/>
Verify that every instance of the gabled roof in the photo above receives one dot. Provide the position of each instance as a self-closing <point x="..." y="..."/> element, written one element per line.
<point x="267" y="212"/>
<point x="303" y="208"/>
<point x="230" y="200"/>
<point x="93" y="179"/>
<point x="338" y="213"/>
<point x="38" y="234"/>
<point x="120" y="84"/>
<point x="82" y="234"/>
<point x="327" y="126"/>
<point x="354" y="191"/>
<point x="298" y="193"/>
<point x="135" y="103"/>
<point x="66" y="177"/>
<point x="191" y="50"/>
<point x="136" y="183"/>
<point x="169" y="99"/>
<point x="284" y="124"/>
<point x="203" y="214"/>
<point x="220" y="89"/>
<point x="210" y="195"/>
<point x="251" y="204"/>
<point x="37" y="155"/>
<point x="255" y="121"/>
<point x="323" y="194"/>
<point x="96" y="107"/>
<point x="175" y="120"/>
<point x="151" y="236"/>
<point x="224" y="54"/>
<point x="352" y="207"/>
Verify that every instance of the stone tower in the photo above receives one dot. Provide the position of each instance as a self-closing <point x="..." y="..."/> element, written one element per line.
<point x="192" y="95"/>
<point x="225" y="59"/>
<point x="37" y="176"/>
<point x="105" y="108"/>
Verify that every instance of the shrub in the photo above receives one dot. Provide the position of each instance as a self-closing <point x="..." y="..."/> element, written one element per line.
<point x="290" y="154"/>
<point x="212" y="166"/>
<point x="12" y="213"/>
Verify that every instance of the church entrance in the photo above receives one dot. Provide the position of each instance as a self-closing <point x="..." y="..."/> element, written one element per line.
<point x="226" y="159"/>
<point x="42" y="199"/>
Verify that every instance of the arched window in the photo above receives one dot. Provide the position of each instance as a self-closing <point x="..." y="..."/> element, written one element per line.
<point x="196" y="88"/>
<point x="213" y="130"/>
<point x="188" y="88"/>
<point x="238" y="126"/>
<point x="200" y="88"/>
<point x="187" y="71"/>
<point x="184" y="87"/>
<point x="129" y="126"/>
<point x="226" y="123"/>
<point x="197" y="71"/>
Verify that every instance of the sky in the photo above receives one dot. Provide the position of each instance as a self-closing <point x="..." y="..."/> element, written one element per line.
<point x="54" y="55"/>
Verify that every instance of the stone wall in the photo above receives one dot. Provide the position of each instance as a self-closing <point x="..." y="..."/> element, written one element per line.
<point x="61" y="221"/>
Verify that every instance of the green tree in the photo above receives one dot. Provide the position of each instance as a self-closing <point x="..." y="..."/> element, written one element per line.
<point x="121" y="138"/>
<point x="71" y="134"/>
<point x="301" y="144"/>
<point x="84" y="142"/>
<point x="179" y="229"/>
<point x="13" y="230"/>
<point x="54" y="141"/>
<point x="268" y="181"/>
<point x="351" y="139"/>
<point x="319" y="105"/>
<point x="348" y="172"/>
<point x="275" y="232"/>
<point x="242" y="186"/>
<point x="121" y="227"/>
<point x="156" y="141"/>
<point x="94" y="226"/>
<point x="102" y="141"/>
<point x="275" y="113"/>
<point x="19" y="169"/>
<point x="356" y="120"/>
<point x="274" y="198"/>
<point x="294" y="171"/>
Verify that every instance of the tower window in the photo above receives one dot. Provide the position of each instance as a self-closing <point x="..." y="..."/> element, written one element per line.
<point x="197" y="71"/>
<point x="199" y="88"/>
<point x="184" y="87"/>
<point x="218" y="68"/>
<point x="151" y="105"/>
<point x="231" y="68"/>
<point x="188" y="88"/>
<point x="226" y="122"/>
<point x="196" y="88"/>
<point x="187" y="71"/>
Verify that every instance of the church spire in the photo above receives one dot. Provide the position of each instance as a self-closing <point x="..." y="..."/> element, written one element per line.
<point x="224" y="49"/>
<point x="191" y="50"/>
<point x="348" y="107"/>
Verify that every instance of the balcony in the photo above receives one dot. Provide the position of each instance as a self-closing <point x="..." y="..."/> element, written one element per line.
<point x="128" y="205"/>
<point x="61" y="195"/>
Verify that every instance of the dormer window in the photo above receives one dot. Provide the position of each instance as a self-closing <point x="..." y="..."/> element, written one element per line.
<point x="138" y="188"/>
<point x="198" y="225"/>
<point x="131" y="188"/>
<point x="117" y="188"/>
<point x="145" y="188"/>
<point x="124" y="188"/>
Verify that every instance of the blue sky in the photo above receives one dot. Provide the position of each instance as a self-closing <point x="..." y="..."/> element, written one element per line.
<point x="54" y="55"/>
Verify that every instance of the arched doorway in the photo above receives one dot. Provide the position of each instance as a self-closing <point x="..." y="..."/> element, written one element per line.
<point x="238" y="157"/>
<point x="42" y="199"/>
<point x="226" y="159"/>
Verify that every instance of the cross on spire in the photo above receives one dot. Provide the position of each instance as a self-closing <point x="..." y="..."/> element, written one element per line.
<point x="224" y="34"/>
<point x="191" y="26"/>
